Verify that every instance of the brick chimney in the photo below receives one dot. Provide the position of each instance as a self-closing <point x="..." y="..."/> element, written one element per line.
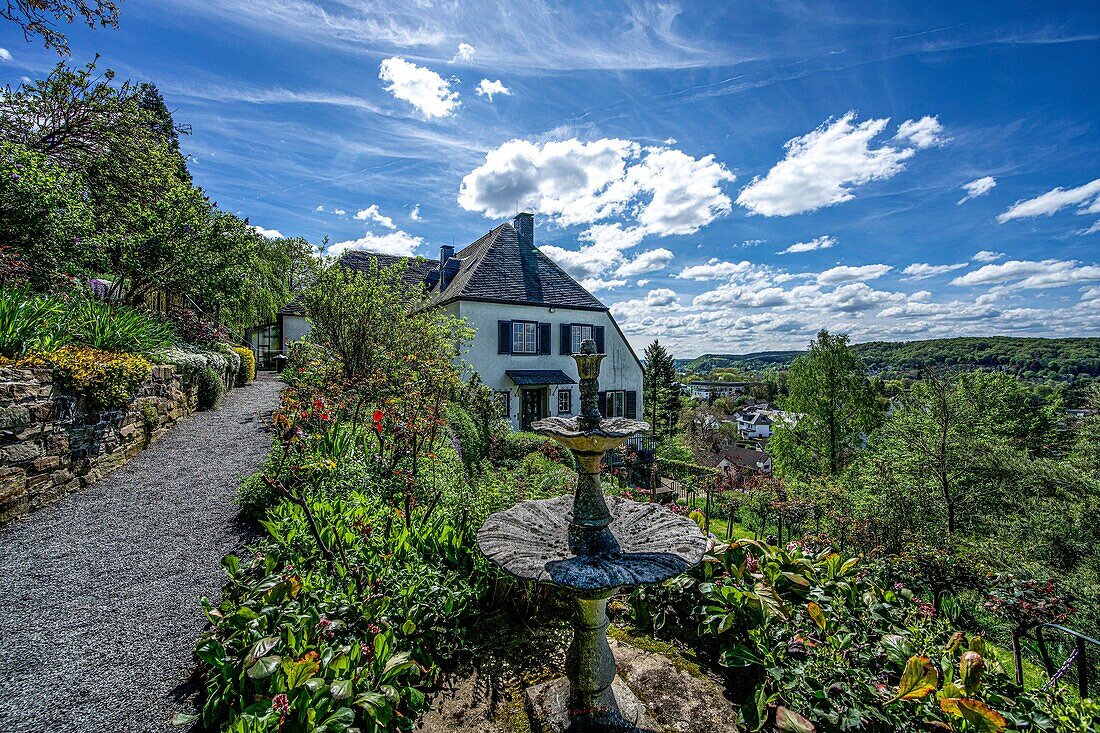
<point x="525" y="225"/>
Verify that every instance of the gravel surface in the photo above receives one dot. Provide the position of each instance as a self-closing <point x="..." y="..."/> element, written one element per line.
<point x="100" y="606"/>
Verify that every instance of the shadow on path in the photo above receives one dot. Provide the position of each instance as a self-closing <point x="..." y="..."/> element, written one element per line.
<point x="100" y="610"/>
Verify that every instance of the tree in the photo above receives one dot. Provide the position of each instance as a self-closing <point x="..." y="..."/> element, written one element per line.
<point x="43" y="215"/>
<point x="37" y="18"/>
<point x="660" y="397"/>
<point x="830" y="393"/>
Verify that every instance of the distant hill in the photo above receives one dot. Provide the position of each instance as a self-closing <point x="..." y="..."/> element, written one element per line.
<point x="1053" y="358"/>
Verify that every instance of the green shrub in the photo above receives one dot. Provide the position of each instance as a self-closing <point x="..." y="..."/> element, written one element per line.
<point x="115" y="327"/>
<point x="107" y="379"/>
<point x="150" y="419"/>
<point x="514" y="446"/>
<point x="469" y="442"/>
<point x="255" y="497"/>
<point x="211" y="388"/>
<point x="247" y="371"/>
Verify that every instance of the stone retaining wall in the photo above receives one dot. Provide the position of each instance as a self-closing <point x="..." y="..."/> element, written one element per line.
<point x="51" y="444"/>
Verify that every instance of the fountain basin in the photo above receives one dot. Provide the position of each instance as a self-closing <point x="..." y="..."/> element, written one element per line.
<point x="650" y="544"/>
<point x="577" y="434"/>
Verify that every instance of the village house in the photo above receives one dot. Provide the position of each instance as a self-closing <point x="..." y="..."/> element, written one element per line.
<point x="711" y="390"/>
<point x="529" y="317"/>
<point x="752" y="459"/>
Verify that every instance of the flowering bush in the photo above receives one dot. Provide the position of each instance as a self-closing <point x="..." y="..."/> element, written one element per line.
<point x="246" y="372"/>
<point x="1027" y="603"/>
<point x="107" y="379"/>
<point x="195" y="328"/>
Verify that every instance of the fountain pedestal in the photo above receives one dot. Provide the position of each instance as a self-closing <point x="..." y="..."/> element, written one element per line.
<point x="590" y="546"/>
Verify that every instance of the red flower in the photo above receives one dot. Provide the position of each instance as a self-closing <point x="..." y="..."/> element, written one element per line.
<point x="378" y="415"/>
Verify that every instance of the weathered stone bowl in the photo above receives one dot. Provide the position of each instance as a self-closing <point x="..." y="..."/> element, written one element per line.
<point x="651" y="544"/>
<point x="575" y="435"/>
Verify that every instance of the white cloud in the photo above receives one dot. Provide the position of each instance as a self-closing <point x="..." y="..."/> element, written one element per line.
<point x="924" y="133"/>
<point x="487" y="88"/>
<point x="1093" y="229"/>
<point x="922" y="270"/>
<point x="823" y="167"/>
<point x="339" y="212"/>
<point x="592" y="284"/>
<point x="392" y="243"/>
<point x="715" y="269"/>
<point x="661" y="297"/>
<point x="1031" y="274"/>
<point x="269" y="233"/>
<point x="847" y="274"/>
<point x="822" y="242"/>
<point x="371" y="213"/>
<point x="977" y="187"/>
<point x="1090" y="294"/>
<point x="648" y="261"/>
<point x="415" y="213"/>
<point x="642" y="283"/>
<point x="1086" y="196"/>
<point x="5" y="54"/>
<point x="987" y="256"/>
<point x="320" y="207"/>
<point x="605" y="251"/>
<point x="422" y="88"/>
<point x="465" y="53"/>
<point x="665" y="191"/>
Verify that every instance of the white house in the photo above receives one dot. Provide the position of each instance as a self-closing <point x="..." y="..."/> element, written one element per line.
<point x="710" y="390"/>
<point x="754" y="424"/>
<point x="529" y="316"/>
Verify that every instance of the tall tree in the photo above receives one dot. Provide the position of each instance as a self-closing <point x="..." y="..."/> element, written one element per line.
<point x="39" y="18"/>
<point x="830" y="393"/>
<point x="659" y="395"/>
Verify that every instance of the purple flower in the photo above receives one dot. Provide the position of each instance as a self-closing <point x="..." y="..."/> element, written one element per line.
<point x="280" y="703"/>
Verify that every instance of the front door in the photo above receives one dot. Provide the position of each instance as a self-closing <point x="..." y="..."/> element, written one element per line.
<point x="530" y="407"/>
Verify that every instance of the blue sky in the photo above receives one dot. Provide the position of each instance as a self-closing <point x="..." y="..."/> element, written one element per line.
<point x="727" y="177"/>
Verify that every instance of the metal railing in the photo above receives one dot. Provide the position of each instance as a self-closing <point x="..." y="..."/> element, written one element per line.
<point x="1077" y="659"/>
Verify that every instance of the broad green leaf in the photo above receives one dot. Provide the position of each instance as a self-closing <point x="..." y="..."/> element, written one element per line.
<point x="184" y="719"/>
<point x="788" y="721"/>
<point x="918" y="680"/>
<point x="341" y="719"/>
<point x="739" y="655"/>
<point x="898" y="649"/>
<point x="976" y="713"/>
<point x="408" y="628"/>
<point x="816" y="614"/>
<point x="264" y="667"/>
<point x="261" y="648"/>
<point x="341" y="689"/>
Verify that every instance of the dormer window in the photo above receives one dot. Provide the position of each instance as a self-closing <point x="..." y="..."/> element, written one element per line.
<point x="525" y="337"/>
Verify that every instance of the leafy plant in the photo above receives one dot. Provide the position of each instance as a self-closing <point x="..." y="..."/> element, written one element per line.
<point x="27" y="322"/>
<point x="114" y="327"/>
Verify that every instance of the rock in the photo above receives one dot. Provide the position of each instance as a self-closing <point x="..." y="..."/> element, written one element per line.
<point x="549" y="710"/>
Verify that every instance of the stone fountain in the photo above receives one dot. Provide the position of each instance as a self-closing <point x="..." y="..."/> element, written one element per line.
<point x="590" y="546"/>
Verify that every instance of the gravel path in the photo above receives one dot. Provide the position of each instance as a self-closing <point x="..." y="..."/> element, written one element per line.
<point x="99" y="609"/>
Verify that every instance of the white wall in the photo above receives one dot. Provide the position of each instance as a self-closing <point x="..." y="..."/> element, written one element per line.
<point x="619" y="370"/>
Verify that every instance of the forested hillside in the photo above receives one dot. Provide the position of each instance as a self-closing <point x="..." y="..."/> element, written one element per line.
<point x="1038" y="357"/>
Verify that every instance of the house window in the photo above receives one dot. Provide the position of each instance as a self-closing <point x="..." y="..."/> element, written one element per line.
<point x="525" y="337"/>
<point x="616" y="404"/>
<point x="565" y="401"/>
<point x="504" y="403"/>
<point x="579" y="333"/>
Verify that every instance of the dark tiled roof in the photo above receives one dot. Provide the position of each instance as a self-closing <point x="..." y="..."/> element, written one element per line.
<point x="497" y="268"/>
<point x="539" y="376"/>
<point x="746" y="457"/>
<point x="494" y="268"/>
<point x="293" y="308"/>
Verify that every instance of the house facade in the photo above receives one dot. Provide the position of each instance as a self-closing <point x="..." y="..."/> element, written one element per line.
<point x="528" y="317"/>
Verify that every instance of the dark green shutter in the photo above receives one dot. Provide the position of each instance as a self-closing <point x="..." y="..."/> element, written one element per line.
<point x="504" y="337"/>
<point x="544" y="338"/>
<point x="597" y="334"/>
<point x="566" y="347"/>
<point x="632" y="404"/>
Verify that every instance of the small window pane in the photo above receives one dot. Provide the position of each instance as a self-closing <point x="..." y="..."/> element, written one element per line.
<point x="616" y="404"/>
<point x="565" y="401"/>
<point x="580" y="333"/>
